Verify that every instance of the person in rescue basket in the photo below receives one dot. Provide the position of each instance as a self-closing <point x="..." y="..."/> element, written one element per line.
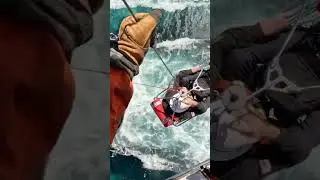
<point x="37" y="86"/>
<point x="126" y="56"/>
<point x="184" y="103"/>
<point x="292" y="130"/>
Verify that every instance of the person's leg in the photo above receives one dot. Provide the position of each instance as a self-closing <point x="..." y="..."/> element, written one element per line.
<point x="244" y="64"/>
<point x="37" y="92"/>
<point x="243" y="167"/>
<point x="186" y="115"/>
<point x="247" y="169"/>
<point x="261" y="161"/>
<point x="297" y="141"/>
<point x="291" y="148"/>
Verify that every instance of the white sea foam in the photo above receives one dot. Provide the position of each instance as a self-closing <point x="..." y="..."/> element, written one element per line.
<point x="181" y="44"/>
<point x="168" y="5"/>
<point x="142" y="134"/>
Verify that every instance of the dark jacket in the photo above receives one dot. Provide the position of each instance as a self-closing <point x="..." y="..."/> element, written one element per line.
<point x="238" y="54"/>
<point x="185" y="78"/>
<point x="69" y="20"/>
<point x="191" y="112"/>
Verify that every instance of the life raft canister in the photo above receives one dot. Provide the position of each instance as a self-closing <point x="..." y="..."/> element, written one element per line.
<point x="166" y="119"/>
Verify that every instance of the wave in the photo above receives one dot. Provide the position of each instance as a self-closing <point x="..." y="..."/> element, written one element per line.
<point x="142" y="134"/>
<point x="168" y="5"/>
<point x="182" y="44"/>
<point x="173" y="25"/>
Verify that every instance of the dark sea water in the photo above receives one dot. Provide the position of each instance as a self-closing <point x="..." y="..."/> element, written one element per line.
<point x="131" y="168"/>
<point x="157" y="152"/>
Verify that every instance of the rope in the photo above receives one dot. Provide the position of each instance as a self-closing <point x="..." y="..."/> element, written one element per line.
<point x="163" y="62"/>
<point x="154" y="49"/>
<point x="147" y="85"/>
<point x="129" y="9"/>
<point x="105" y="73"/>
<point x="275" y="61"/>
<point x="157" y="53"/>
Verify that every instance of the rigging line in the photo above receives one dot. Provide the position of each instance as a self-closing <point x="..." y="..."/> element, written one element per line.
<point x="142" y="84"/>
<point x="105" y="73"/>
<point x="275" y="61"/>
<point x="130" y="10"/>
<point x="154" y="49"/>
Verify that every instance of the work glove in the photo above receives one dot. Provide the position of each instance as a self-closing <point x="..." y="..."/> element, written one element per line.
<point x="135" y="37"/>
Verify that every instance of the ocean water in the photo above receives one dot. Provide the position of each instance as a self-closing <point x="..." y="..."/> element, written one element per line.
<point x="245" y="12"/>
<point x="147" y="149"/>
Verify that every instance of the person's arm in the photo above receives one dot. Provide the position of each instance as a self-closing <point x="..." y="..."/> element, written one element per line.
<point x="125" y="61"/>
<point x="293" y="144"/>
<point x="198" y="107"/>
<point x="243" y="37"/>
<point x="179" y="77"/>
<point x="296" y="142"/>
<point x="230" y="39"/>
<point x="290" y="146"/>
<point x="284" y="147"/>
<point x="203" y="106"/>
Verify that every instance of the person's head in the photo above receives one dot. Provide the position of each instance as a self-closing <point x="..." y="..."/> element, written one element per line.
<point x="177" y="100"/>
